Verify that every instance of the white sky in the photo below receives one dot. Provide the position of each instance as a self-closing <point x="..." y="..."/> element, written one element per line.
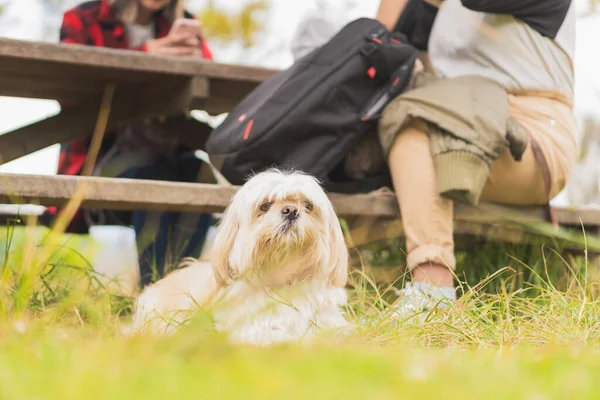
<point x="27" y="19"/>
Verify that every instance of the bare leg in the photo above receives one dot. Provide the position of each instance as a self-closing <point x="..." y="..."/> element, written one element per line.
<point x="435" y="274"/>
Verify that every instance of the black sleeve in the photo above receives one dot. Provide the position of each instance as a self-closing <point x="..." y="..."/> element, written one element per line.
<point x="544" y="16"/>
<point x="416" y="22"/>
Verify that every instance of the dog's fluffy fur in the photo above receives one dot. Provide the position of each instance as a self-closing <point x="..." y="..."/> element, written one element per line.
<point x="278" y="267"/>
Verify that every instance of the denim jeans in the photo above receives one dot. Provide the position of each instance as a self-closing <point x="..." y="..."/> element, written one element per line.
<point x="163" y="238"/>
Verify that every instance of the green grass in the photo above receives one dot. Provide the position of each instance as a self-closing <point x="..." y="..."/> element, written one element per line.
<point x="526" y="327"/>
<point x="47" y="365"/>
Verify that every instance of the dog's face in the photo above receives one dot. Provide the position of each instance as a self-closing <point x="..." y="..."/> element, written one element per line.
<point x="280" y="225"/>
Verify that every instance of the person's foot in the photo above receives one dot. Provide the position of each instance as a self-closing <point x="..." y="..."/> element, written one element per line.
<point x="419" y="298"/>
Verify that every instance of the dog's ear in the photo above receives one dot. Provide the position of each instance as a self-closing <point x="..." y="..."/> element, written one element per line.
<point x="224" y="241"/>
<point x="338" y="252"/>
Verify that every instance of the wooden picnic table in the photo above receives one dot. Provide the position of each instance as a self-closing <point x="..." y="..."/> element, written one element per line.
<point x="148" y="86"/>
<point x="156" y="86"/>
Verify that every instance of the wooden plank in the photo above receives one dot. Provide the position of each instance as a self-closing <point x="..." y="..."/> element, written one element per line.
<point x="28" y="68"/>
<point x="49" y="88"/>
<point x="130" y="194"/>
<point x="131" y="103"/>
<point x="378" y="230"/>
<point x="384" y="204"/>
<point x="224" y="96"/>
<point x="119" y="194"/>
<point x="519" y="226"/>
<point x="381" y="203"/>
<point x="56" y="55"/>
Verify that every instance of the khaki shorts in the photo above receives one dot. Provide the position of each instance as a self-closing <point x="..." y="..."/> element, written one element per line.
<point x="480" y="111"/>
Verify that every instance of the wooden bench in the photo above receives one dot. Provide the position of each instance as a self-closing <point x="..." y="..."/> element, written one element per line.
<point x="373" y="216"/>
<point x="78" y="74"/>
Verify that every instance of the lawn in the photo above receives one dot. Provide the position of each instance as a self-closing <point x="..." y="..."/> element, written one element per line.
<point x="526" y="327"/>
<point x="77" y="365"/>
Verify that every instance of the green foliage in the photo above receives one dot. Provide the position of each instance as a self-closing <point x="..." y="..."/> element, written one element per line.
<point x="48" y="365"/>
<point x="505" y="345"/>
<point x="230" y="27"/>
<point x="30" y="285"/>
<point x="526" y="326"/>
<point x="523" y="265"/>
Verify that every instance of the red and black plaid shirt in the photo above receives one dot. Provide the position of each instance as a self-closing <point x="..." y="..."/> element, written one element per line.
<point x="93" y="23"/>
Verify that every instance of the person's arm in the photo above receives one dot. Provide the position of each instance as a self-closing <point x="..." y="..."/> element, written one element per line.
<point x="414" y="19"/>
<point x="178" y="44"/>
<point x="544" y="16"/>
<point x="205" y="49"/>
<point x="389" y="11"/>
<point x="171" y="45"/>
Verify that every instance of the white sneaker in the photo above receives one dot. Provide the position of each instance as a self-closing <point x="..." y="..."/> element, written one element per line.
<point x="418" y="299"/>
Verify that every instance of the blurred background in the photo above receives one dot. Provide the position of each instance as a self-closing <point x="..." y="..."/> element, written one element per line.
<point x="259" y="32"/>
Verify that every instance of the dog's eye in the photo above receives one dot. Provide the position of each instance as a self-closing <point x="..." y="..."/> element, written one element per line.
<point x="265" y="206"/>
<point x="309" y="206"/>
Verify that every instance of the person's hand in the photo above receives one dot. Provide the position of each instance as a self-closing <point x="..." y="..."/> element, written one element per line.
<point x="174" y="45"/>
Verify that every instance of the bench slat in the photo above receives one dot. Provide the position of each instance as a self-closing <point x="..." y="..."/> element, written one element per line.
<point x="127" y="194"/>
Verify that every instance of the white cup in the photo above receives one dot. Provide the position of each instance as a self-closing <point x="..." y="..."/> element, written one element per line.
<point x="116" y="258"/>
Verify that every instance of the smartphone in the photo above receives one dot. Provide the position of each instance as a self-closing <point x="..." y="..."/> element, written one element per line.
<point x="186" y="26"/>
<point x="192" y="28"/>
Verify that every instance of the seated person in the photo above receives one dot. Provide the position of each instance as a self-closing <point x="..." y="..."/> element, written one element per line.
<point x="501" y="68"/>
<point x="138" y="150"/>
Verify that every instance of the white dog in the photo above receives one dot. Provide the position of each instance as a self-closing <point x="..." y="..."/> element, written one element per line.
<point x="278" y="267"/>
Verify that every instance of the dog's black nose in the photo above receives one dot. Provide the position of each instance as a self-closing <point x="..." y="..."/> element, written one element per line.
<point x="290" y="212"/>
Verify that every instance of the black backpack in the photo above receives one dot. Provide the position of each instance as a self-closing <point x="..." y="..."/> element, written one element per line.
<point x="310" y="116"/>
